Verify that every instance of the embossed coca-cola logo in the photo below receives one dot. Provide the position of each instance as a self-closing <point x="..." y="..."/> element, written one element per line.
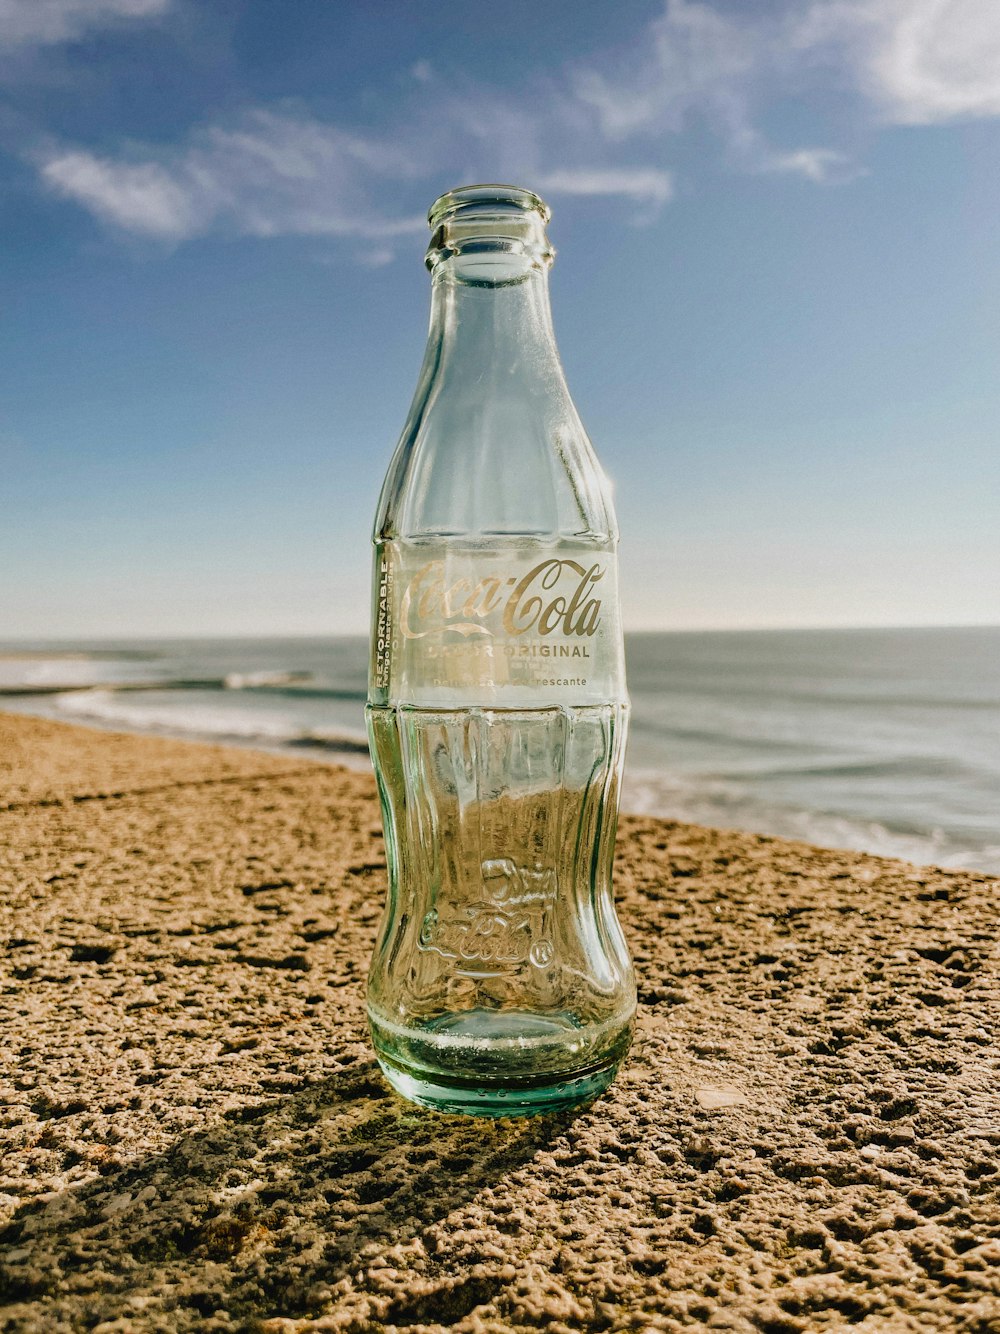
<point x="509" y="925"/>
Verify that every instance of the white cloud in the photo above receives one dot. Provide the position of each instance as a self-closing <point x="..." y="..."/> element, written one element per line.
<point x="376" y="257"/>
<point x="643" y="185"/>
<point x="276" y="173"/>
<point x="690" y="58"/>
<point x="281" y="171"/>
<point x="815" y="164"/>
<point x="919" y="61"/>
<point x="916" y="62"/>
<point x="142" y="198"/>
<point x="42" y="22"/>
<point x="940" y="61"/>
<point x="698" y="64"/>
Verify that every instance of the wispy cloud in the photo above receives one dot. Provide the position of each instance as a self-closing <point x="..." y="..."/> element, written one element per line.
<point x="691" y="59"/>
<point x="44" y="22"/>
<point x="700" y="65"/>
<point x="281" y="171"/>
<point x="376" y="257"/>
<point x="911" y="62"/>
<point x="143" y="198"/>
<point x="646" y="185"/>
<point x="604" y="128"/>
<point x="815" y="164"/>
<point x="919" y="62"/>
<point x="273" y="173"/>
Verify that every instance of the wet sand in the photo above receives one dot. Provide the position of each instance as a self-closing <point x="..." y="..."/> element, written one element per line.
<point x="195" y="1136"/>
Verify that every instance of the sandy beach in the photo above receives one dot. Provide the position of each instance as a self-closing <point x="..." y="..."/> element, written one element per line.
<point x="195" y="1134"/>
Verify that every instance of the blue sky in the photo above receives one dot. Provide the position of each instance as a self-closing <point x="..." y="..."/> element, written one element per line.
<point x="777" y="296"/>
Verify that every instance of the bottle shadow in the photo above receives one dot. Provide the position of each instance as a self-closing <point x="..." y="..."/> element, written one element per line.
<point x="264" y="1211"/>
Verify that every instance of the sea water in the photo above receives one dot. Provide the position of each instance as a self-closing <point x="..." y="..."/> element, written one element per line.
<point x="886" y="741"/>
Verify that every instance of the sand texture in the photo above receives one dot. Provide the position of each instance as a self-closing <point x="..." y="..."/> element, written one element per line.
<point x="195" y="1136"/>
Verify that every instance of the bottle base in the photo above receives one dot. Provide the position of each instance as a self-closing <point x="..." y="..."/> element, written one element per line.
<point x="473" y="1065"/>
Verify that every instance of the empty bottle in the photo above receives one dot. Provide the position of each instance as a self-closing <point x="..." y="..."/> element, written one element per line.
<point x="500" y="984"/>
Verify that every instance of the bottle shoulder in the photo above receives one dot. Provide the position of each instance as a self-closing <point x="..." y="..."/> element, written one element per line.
<point x="533" y="486"/>
<point x="493" y="443"/>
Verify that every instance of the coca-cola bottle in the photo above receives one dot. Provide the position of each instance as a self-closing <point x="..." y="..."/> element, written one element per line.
<point x="500" y="983"/>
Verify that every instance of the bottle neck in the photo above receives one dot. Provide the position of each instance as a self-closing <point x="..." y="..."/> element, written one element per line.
<point x="493" y="336"/>
<point x="489" y="256"/>
<point x="493" y="449"/>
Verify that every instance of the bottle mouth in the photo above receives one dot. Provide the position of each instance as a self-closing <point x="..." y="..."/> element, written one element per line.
<point x="501" y="199"/>
<point x="496" y="232"/>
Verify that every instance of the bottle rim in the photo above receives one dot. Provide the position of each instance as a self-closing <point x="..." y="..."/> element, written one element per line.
<point x="515" y="198"/>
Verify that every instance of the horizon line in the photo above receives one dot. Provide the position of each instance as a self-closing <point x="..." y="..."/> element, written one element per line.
<point x="159" y="636"/>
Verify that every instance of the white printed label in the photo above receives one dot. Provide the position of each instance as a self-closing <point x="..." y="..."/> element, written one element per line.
<point x="466" y="627"/>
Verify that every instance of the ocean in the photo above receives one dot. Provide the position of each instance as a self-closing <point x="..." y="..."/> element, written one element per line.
<point x="884" y="741"/>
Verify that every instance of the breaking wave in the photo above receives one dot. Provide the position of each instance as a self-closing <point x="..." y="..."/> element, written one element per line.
<point x="724" y="804"/>
<point x="206" y="722"/>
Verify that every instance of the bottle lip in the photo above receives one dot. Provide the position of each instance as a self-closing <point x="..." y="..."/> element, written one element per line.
<point x="488" y="198"/>
<point x="495" y="234"/>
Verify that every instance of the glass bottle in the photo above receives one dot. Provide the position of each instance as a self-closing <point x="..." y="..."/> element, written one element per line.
<point x="500" y="983"/>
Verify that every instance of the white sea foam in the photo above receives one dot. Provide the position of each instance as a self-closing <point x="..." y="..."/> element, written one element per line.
<point x="262" y="680"/>
<point x="45" y="673"/>
<point x="727" y="805"/>
<point x="184" y="718"/>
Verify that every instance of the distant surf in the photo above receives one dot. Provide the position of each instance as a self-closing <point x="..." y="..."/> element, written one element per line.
<point x="202" y="721"/>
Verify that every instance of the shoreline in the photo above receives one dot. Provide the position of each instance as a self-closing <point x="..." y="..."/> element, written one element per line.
<point x="654" y="791"/>
<point x="197" y="1136"/>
